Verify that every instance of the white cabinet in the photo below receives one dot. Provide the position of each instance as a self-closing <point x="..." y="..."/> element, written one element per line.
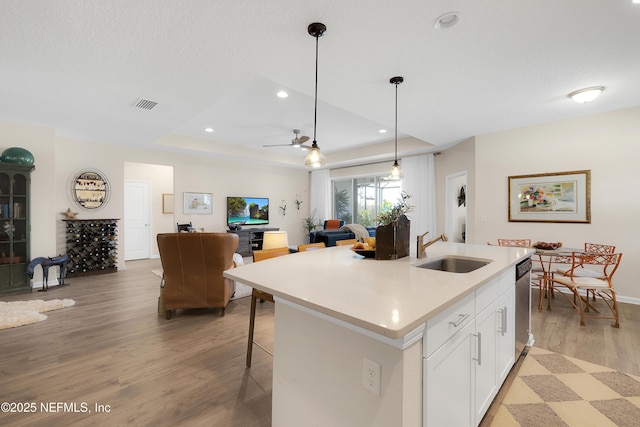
<point x="448" y="391"/>
<point x="506" y="337"/>
<point x="465" y="365"/>
<point x="486" y="366"/>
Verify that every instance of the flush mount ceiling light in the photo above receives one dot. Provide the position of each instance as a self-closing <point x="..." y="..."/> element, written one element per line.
<point x="315" y="158"/>
<point x="447" y="20"/>
<point x="587" y="94"/>
<point x="395" y="173"/>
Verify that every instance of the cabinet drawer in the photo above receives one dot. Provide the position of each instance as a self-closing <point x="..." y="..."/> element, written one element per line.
<point x="507" y="280"/>
<point x="487" y="294"/>
<point x="447" y="323"/>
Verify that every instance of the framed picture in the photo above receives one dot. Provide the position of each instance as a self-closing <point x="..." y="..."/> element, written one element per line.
<point x="551" y="197"/>
<point x="167" y="203"/>
<point x="197" y="203"/>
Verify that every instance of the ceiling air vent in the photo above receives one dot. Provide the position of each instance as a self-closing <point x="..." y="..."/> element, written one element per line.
<point x="145" y="104"/>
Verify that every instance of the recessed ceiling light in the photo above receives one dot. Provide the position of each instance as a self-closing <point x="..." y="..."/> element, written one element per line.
<point x="446" y="20"/>
<point x="635" y="1"/>
<point x="382" y="131"/>
<point x="282" y="94"/>
<point x="587" y="94"/>
<point x="208" y="130"/>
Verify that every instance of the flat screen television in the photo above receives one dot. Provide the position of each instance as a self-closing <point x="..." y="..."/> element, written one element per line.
<point x="247" y="210"/>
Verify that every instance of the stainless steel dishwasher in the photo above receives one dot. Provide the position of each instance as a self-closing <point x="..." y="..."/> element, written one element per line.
<point x="523" y="306"/>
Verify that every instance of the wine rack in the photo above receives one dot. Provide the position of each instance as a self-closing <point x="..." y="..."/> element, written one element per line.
<point x="92" y="246"/>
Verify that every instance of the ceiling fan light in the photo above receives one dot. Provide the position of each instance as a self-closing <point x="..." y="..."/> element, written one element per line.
<point x="315" y="158"/>
<point x="585" y="95"/>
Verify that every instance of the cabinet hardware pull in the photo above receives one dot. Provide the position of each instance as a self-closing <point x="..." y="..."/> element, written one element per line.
<point x="461" y="318"/>
<point x="479" y="358"/>
<point x="504" y="320"/>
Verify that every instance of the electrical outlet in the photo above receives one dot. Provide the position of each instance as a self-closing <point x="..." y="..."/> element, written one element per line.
<point x="371" y="376"/>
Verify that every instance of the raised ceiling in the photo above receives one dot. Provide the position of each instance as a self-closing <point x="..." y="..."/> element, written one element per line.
<point x="80" y="66"/>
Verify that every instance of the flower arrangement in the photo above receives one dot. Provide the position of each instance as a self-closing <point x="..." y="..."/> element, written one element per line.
<point x="400" y="208"/>
<point x="535" y="196"/>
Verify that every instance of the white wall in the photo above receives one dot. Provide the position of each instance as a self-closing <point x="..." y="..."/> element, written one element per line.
<point x="607" y="144"/>
<point x="57" y="159"/>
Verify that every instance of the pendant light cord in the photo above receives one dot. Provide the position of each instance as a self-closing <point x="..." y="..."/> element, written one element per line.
<point x="396" y="155"/>
<point x="315" y="108"/>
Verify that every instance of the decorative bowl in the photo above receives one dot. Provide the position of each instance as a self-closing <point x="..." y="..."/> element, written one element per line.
<point x="547" y="245"/>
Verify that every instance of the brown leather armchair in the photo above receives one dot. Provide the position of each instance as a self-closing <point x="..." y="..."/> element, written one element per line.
<point x="192" y="266"/>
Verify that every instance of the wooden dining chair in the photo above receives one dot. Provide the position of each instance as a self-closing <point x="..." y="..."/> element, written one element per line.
<point x="311" y="246"/>
<point x="520" y="243"/>
<point x="256" y="295"/>
<point x="346" y="242"/>
<point x="595" y="272"/>
<point x="601" y="287"/>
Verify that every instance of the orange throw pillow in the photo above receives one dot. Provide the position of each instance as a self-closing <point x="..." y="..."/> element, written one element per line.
<point x="333" y="223"/>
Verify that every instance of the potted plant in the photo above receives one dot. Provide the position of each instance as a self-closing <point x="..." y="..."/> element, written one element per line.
<point x="310" y="223"/>
<point x="392" y="233"/>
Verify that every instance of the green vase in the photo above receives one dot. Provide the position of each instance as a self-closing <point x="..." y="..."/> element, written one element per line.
<point x="17" y="155"/>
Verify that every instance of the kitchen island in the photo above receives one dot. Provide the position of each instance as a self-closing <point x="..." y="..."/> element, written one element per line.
<point x="351" y="333"/>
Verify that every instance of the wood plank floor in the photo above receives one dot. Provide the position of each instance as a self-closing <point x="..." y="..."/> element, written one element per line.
<point x="112" y="348"/>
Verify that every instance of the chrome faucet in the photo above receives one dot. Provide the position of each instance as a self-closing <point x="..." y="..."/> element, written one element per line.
<point x="423" y="246"/>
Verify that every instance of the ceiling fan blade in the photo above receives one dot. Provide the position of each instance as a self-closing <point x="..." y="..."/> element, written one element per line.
<point x="303" y="139"/>
<point x="278" y="145"/>
<point x="305" y="147"/>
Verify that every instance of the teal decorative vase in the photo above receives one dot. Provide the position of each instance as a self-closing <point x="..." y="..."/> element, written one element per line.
<point x="17" y="155"/>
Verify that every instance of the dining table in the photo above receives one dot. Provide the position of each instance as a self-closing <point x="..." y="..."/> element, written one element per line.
<point x="549" y="260"/>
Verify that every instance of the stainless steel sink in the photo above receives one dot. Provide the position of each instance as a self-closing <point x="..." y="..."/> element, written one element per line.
<point x="454" y="264"/>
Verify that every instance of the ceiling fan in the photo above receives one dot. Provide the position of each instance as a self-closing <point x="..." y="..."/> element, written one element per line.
<point x="295" y="142"/>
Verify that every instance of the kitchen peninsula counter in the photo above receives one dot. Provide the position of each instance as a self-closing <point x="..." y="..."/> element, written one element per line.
<point x="337" y="314"/>
<point x="389" y="298"/>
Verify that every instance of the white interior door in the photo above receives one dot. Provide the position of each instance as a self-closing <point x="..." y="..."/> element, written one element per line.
<point x="137" y="220"/>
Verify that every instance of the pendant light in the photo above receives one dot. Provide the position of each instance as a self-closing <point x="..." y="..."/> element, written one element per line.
<point x="315" y="158"/>
<point x="395" y="173"/>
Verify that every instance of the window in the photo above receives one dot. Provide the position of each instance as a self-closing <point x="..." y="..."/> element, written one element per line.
<point x="359" y="200"/>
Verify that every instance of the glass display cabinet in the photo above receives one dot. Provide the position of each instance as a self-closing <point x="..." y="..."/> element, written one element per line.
<point x="15" y="227"/>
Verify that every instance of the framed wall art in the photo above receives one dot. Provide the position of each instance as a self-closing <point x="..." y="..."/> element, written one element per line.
<point x="167" y="203"/>
<point x="551" y="197"/>
<point x="197" y="203"/>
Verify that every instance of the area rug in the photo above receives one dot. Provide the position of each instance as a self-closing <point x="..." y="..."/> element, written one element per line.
<point x="19" y="313"/>
<point x="554" y="390"/>
<point x="242" y="290"/>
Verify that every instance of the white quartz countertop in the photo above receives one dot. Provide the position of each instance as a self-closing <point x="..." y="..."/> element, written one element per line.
<point x="390" y="298"/>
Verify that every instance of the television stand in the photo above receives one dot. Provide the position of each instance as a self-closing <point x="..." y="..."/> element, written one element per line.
<point x="251" y="239"/>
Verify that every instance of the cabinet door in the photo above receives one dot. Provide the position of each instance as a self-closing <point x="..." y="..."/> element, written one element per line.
<point x="487" y="324"/>
<point x="506" y="338"/>
<point x="449" y="382"/>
